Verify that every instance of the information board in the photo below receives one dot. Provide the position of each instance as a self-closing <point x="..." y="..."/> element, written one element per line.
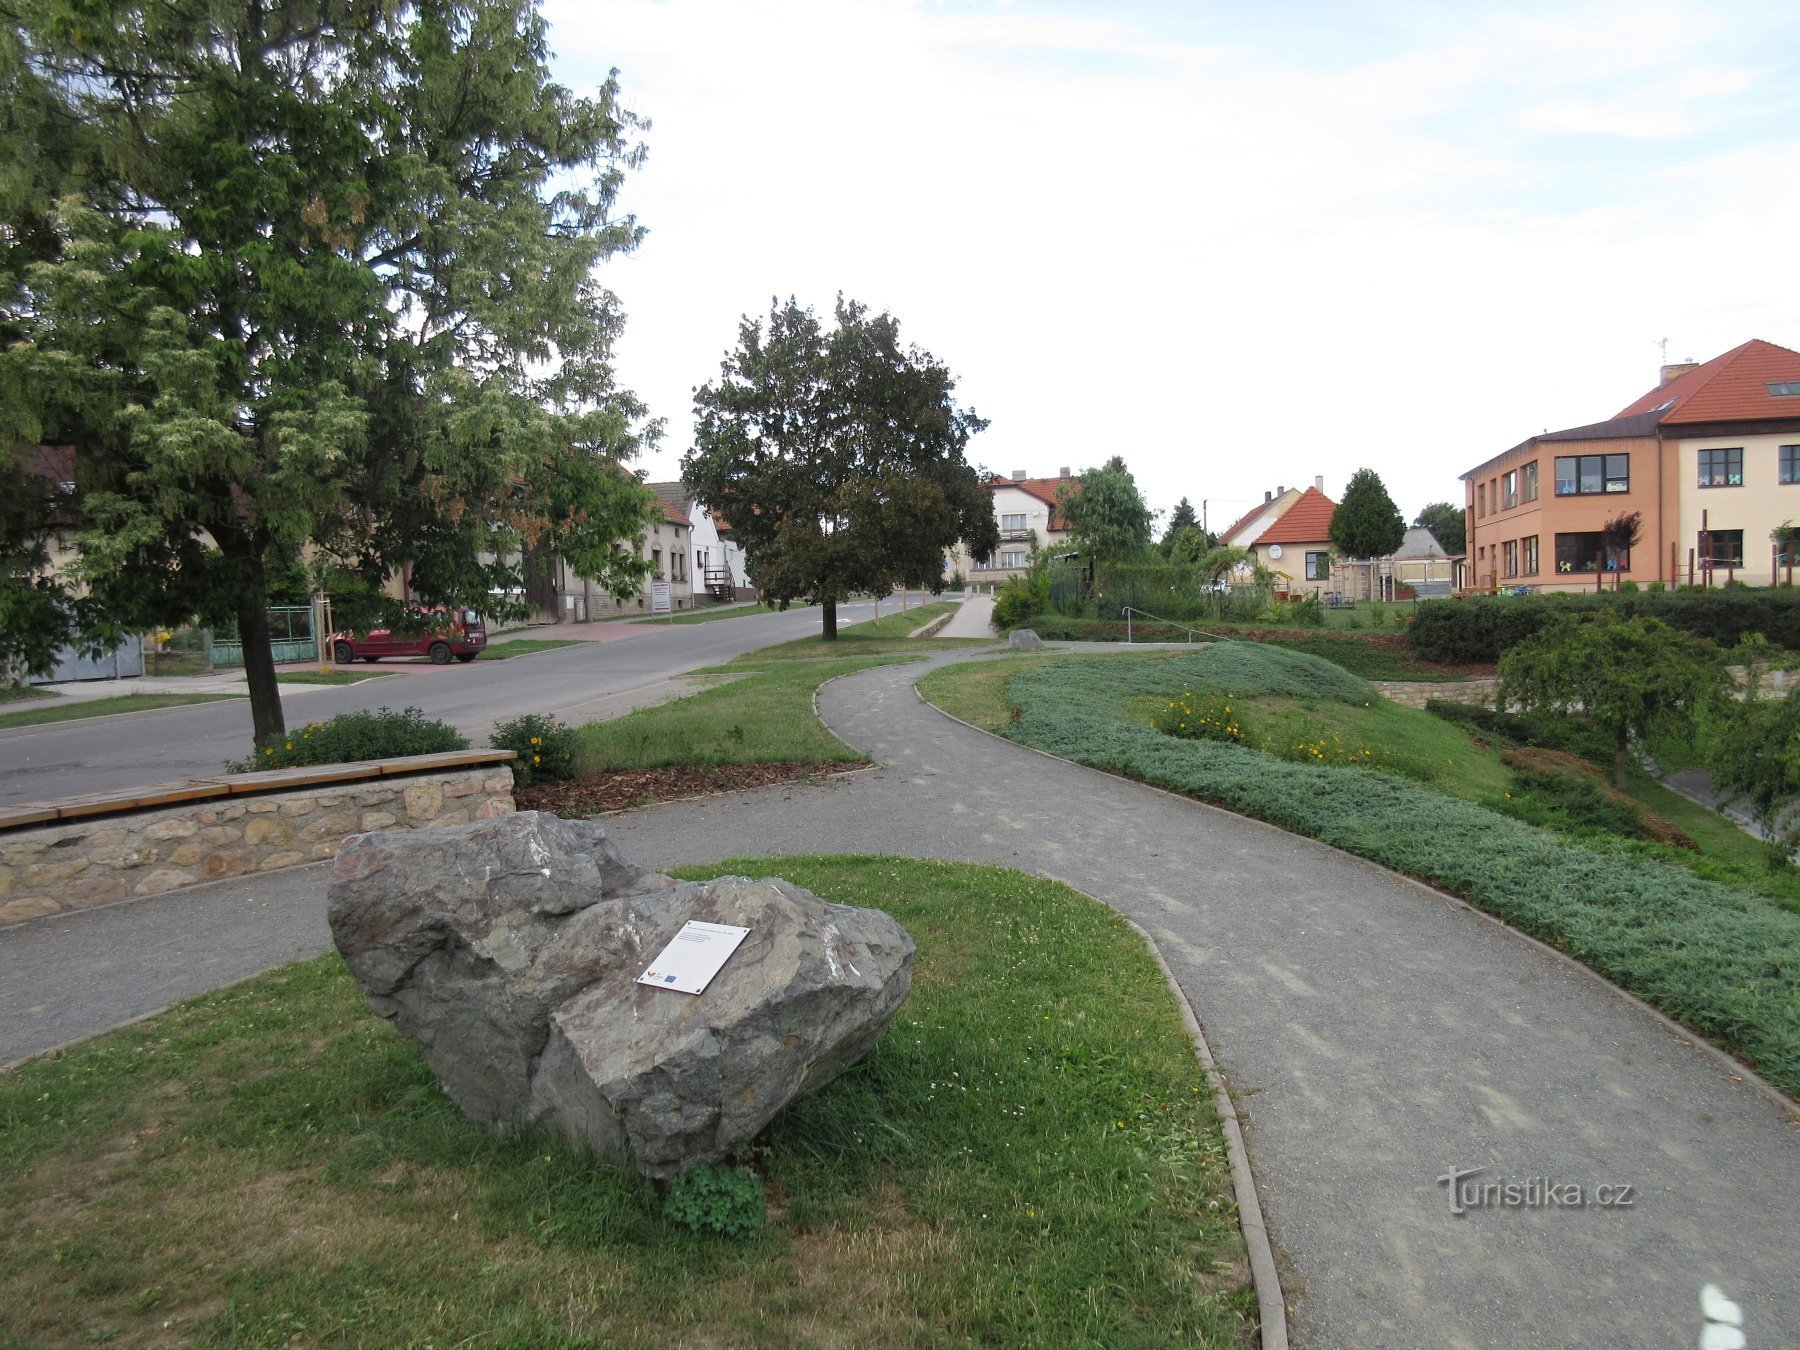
<point x="693" y="956"/>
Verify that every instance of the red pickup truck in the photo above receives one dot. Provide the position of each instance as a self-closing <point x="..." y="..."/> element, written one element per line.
<point x="439" y="634"/>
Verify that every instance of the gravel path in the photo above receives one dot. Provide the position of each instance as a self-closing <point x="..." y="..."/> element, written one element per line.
<point x="1375" y="1035"/>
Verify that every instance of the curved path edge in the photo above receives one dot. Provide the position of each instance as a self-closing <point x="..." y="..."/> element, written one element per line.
<point x="1695" y="1040"/>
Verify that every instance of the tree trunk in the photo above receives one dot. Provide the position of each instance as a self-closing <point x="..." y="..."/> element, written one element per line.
<point x="259" y="661"/>
<point x="1619" y="748"/>
<point x="830" y="609"/>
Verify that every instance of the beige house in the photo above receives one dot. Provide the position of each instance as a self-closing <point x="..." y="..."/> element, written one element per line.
<point x="1026" y="510"/>
<point x="1290" y="535"/>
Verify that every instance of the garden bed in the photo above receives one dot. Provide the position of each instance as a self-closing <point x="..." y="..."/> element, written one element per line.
<point x="622" y="788"/>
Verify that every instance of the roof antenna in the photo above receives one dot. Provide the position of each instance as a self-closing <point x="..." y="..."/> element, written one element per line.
<point x="1662" y="345"/>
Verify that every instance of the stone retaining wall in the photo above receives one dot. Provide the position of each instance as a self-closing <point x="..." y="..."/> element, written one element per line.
<point x="77" y="864"/>
<point x="1414" y="693"/>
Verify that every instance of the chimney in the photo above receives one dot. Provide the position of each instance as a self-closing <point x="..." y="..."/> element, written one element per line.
<point x="1065" y="472"/>
<point x="1677" y="370"/>
<point x="1018" y="475"/>
<point x="1319" y="481"/>
<point x="1280" y="491"/>
<point x="1267" y="496"/>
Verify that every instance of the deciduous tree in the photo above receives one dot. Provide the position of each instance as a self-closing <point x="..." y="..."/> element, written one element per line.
<point x="1751" y="746"/>
<point x="1106" y="513"/>
<point x="1625" y="674"/>
<point x="309" y="280"/>
<point x="1447" y="526"/>
<point x="838" y="457"/>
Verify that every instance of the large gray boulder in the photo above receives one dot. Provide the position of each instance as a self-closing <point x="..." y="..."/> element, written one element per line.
<point x="1025" y="640"/>
<point x="510" y="949"/>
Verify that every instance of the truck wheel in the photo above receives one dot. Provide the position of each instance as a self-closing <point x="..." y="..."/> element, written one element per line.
<point x="440" y="653"/>
<point x="344" y="653"/>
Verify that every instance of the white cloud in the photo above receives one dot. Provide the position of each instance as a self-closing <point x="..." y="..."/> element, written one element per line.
<point x="1232" y="268"/>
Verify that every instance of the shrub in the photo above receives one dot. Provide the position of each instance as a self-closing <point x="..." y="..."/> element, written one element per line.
<point x="1022" y="598"/>
<point x="716" y="1199"/>
<point x="349" y="737"/>
<point x="544" y="746"/>
<point x="1203" y="717"/>
<point x="1481" y="627"/>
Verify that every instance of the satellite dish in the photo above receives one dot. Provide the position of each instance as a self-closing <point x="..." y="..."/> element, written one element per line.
<point x="1274" y="550"/>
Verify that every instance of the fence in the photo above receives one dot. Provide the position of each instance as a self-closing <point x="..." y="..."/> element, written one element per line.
<point x="291" y="638"/>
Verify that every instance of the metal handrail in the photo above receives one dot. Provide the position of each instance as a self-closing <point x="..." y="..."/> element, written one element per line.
<point x="1144" y="613"/>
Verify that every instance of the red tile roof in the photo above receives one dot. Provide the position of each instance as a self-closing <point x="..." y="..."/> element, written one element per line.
<point x="1728" y="388"/>
<point x="1045" y="490"/>
<point x="674" y="499"/>
<point x="1307" y="521"/>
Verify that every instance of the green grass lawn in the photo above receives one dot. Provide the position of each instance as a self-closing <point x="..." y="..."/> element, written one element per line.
<point x="706" y="614"/>
<point x="71" y="709"/>
<point x="764" y="714"/>
<point x="1695" y="934"/>
<point x="1029" y="1156"/>
<point x="501" y="651"/>
<point x="23" y="693"/>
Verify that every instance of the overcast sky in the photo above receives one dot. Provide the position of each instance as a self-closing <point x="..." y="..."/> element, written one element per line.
<point x="1238" y="244"/>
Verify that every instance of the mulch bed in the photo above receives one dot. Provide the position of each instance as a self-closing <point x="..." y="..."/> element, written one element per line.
<point x="639" y="787"/>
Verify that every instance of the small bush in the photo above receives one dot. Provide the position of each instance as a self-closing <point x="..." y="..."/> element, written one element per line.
<point x="1203" y="717"/>
<point x="350" y="737"/>
<point x="1021" y="599"/>
<point x="544" y="746"/>
<point x="716" y="1199"/>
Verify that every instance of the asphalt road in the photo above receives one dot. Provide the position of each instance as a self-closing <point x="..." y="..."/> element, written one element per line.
<point x="629" y="667"/>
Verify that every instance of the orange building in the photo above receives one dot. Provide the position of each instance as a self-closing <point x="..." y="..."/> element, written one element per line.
<point x="1709" y="461"/>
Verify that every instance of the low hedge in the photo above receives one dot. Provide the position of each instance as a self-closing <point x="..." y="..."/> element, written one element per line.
<point x="1481" y="627"/>
<point x="354" y="736"/>
<point x="1720" y="959"/>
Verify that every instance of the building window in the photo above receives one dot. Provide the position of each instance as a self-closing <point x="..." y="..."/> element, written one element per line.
<point x="1586" y="552"/>
<point x="656" y="564"/>
<point x="1529" y="475"/>
<point x="1013" y="522"/>
<point x="1509" y="555"/>
<point x="1528" y="556"/>
<point x="1481" y="499"/>
<point x="1509" y="490"/>
<point x="1722" y="468"/>
<point x="1014" y="559"/>
<point x="1784" y="389"/>
<point x="1790" y="463"/>
<point x="1590" y="475"/>
<point x="1722" y="548"/>
<point x="1318" y="566"/>
<point x="984" y="563"/>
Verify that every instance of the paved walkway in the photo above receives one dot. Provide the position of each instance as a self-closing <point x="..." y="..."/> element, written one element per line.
<point x="1375" y="1035"/>
<point x="973" y="619"/>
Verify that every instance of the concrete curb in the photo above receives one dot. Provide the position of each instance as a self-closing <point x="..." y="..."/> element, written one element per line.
<point x="1264" y="1274"/>
<point x="931" y="629"/>
<point x="1734" y="1068"/>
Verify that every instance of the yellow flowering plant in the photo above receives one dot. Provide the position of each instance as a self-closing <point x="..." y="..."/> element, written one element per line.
<point x="544" y="746"/>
